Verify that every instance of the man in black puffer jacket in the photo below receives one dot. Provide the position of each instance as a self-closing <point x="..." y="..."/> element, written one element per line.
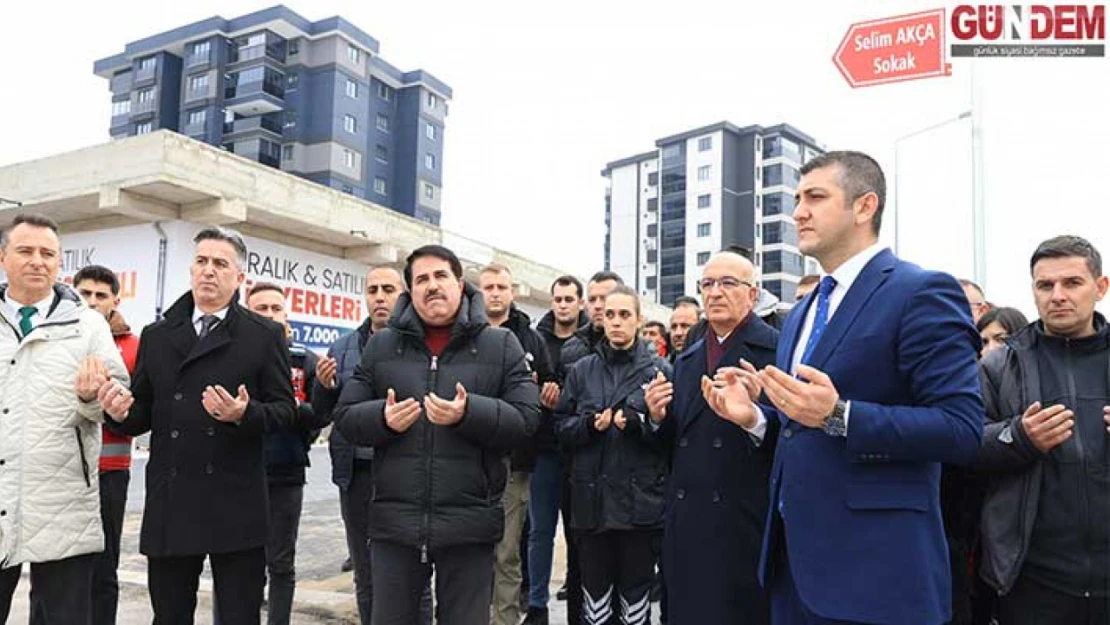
<point x="443" y="398"/>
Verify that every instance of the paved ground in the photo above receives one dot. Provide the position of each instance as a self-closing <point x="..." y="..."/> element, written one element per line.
<point x="324" y="594"/>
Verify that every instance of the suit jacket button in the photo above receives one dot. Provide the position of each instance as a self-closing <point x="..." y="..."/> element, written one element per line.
<point x="209" y="470"/>
<point x="177" y="396"/>
<point x="681" y="493"/>
<point x="717" y="443"/>
<point x="173" y="471"/>
<point x="175" y="434"/>
<point x="787" y="433"/>
<point x="716" y="497"/>
<point x="211" y="431"/>
<point x="682" y="442"/>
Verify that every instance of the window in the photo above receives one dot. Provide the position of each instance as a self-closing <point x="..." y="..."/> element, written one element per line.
<point x="653" y="204"/>
<point x="197" y="118"/>
<point x="290" y="118"/>
<point x="429" y="192"/>
<point x="292" y="81"/>
<point x="705" y="172"/>
<point x="430" y="131"/>
<point x="703" y="257"/>
<point x="199" y="53"/>
<point x="780" y="174"/>
<point x="354" y="55"/>
<point x="294" y="46"/>
<point x="381" y="153"/>
<point x="379" y="185"/>
<point x="352" y="88"/>
<point x="704" y="229"/>
<point x="146" y="96"/>
<point x="121" y="107"/>
<point x="704" y="201"/>
<point x="287" y="152"/>
<point x="705" y="144"/>
<point x="147" y="64"/>
<point x="432" y="100"/>
<point x="143" y="128"/>
<point x="430" y="161"/>
<point x="384" y="92"/>
<point x="349" y="158"/>
<point x="653" y="179"/>
<point x="382" y="122"/>
<point x="198" y="83"/>
<point x="350" y="124"/>
<point x="652" y="230"/>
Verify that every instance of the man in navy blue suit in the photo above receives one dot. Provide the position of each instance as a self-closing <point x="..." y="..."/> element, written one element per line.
<point x="876" y="385"/>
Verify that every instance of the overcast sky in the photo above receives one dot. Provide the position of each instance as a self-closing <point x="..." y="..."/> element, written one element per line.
<point x="547" y="93"/>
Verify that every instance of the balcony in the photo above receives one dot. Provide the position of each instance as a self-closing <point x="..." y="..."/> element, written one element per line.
<point x="145" y="72"/>
<point x="194" y="60"/>
<point x="255" y="98"/>
<point x="274" y="51"/>
<point x="143" y="107"/>
<point x="196" y="130"/>
<point x="248" y="124"/>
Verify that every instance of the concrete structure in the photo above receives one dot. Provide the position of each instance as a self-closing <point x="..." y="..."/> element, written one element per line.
<point x="109" y="195"/>
<point x="668" y="209"/>
<point x="311" y="98"/>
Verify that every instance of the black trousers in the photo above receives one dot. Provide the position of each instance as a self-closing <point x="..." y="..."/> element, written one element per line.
<point x="61" y="591"/>
<point x="1031" y="603"/>
<point x="617" y="569"/>
<point x="570" y="537"/>
<point x="281" y="551"/>
<point x="237" y="578"/>
<point x="464" y="583"/>
<point x="105" y="583"/>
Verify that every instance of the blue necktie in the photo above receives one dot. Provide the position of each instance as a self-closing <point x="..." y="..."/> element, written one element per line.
<point x="821" y="318"/>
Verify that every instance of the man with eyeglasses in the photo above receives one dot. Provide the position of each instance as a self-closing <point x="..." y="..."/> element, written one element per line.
<point x="719" y="481"/>
<point x="976" y="299"/>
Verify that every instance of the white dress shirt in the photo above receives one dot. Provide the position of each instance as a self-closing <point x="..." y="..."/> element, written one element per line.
<point x="42" y="309"/>
<point x="197" y="314"/>
<point x="845" y="275"/>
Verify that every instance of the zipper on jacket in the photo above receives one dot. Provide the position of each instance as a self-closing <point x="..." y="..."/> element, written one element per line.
<point x="81" y="449"/>
<point x="433" y="371"/>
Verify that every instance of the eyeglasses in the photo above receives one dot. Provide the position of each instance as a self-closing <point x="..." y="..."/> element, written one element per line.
<point x="727" y="283"/>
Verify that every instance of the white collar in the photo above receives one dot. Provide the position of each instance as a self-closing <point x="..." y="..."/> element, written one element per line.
<point x="219" y="314"/>
<point x="42" y="306"/>
<point x="847" y="273"/>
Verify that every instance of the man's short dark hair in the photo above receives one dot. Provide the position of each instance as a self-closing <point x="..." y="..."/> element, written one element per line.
<point x="808" y="279"/>
<point x="1067" y="246"/>
<point x="568" y="281"/>
<point x="435" y="251"/>
<point x="231" y="237"/>
<point x="99" y="274"/>
<point x="658" y="326"/>
<point x="857" y="174"/>
<point x="31" y="219"/>
<point x="686" y="300"/>
<point x="603" y="276"/>
<point x="259" y="287"/>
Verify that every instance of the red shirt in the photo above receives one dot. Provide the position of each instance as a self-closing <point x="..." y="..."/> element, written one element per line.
<point x="436" y="338"/>
<point x="115" y="451"/>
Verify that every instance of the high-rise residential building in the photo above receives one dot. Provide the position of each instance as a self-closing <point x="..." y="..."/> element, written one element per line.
<point x="668" y="210"/>
<point x="311" y="98"/>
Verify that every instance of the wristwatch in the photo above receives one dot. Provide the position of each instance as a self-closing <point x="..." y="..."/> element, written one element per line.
<point x="834" y="424"/>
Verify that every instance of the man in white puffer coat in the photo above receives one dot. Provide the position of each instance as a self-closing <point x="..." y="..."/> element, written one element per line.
<point x="55" y="354"/>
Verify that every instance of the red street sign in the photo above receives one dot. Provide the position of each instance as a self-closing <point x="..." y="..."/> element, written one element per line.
<point x="894" y="49"/>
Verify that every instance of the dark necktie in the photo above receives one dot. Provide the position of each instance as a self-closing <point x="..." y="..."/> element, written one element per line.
<point x="25" y="315"/>
<point x="820" y="318"/>
<point x="206" y="324"/>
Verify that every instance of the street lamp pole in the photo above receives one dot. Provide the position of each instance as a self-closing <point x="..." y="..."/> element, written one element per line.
<point x="898" y="179"/>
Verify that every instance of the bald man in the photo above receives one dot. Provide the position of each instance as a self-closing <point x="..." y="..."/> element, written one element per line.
<point x="719" y="481"/>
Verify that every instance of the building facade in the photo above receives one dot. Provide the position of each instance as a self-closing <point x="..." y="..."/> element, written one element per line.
<point x="668" y="210"/>
<point x="311" y="98"/>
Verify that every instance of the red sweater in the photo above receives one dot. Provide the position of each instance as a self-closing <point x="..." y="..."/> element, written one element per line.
<point x="115" y="451"/>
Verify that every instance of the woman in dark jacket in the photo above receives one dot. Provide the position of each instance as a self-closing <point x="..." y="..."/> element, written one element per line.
<point x="618" y="467"/>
